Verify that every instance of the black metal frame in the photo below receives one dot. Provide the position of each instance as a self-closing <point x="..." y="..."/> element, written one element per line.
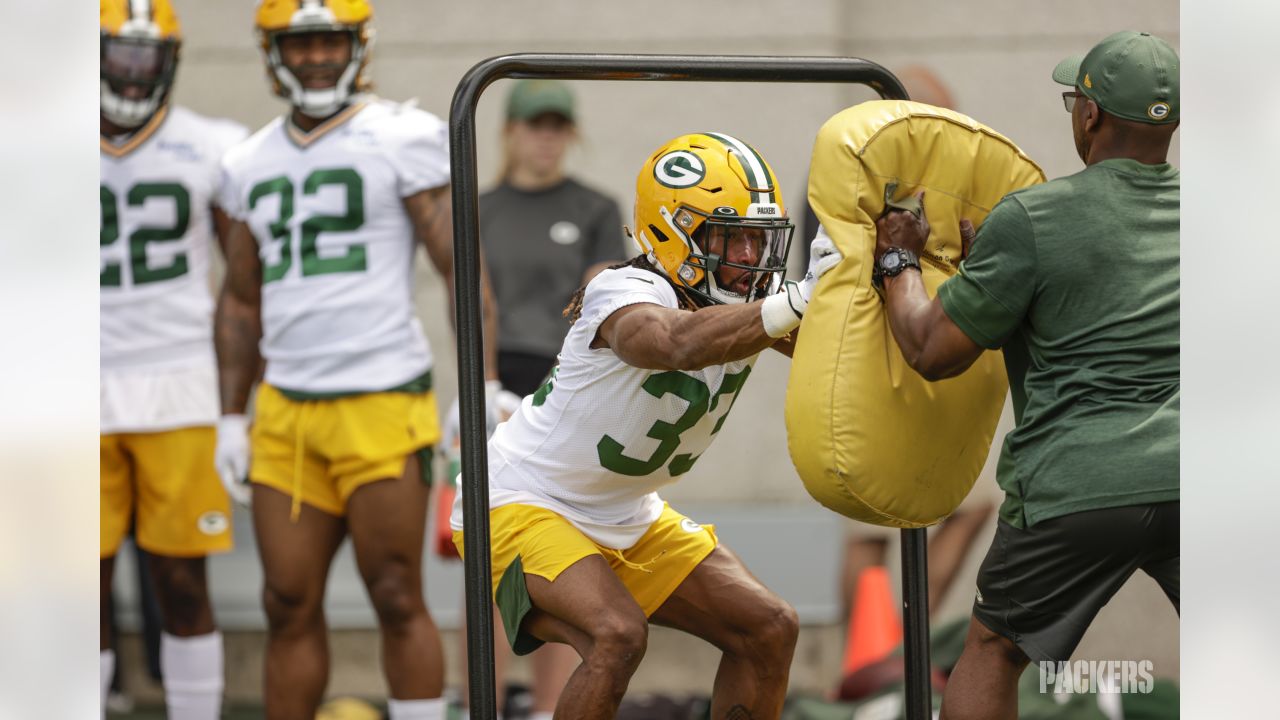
<point x="466" y="248"/>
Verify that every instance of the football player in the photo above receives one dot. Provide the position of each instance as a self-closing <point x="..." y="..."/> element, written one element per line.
<point x="584" y="550"/>
<point x="327" y="203"/>
<point x="159" y="183"/>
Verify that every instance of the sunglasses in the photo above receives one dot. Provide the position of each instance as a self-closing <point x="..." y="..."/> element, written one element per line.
<point x="1069" y="99"/>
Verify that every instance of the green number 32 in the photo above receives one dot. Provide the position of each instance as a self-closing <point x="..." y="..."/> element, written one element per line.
<point x="701" y="401"/>
<point x="138" y="195"/>
<point x="353" y="260"/>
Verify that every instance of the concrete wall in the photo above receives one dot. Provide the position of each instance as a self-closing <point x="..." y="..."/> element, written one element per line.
<point x="995" y="55"/>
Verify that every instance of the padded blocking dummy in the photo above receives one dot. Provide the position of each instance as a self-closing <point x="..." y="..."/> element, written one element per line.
<point x="870" y="438"/>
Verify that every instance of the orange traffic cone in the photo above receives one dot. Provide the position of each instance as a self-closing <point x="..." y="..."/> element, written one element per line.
<point x="875" y="627"/>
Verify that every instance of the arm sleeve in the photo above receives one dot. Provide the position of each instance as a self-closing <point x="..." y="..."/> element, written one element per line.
<point x="607" y="242"/>
<point x="989" y="297"/>
<point x="614" y="289"/>
<point x="421" y="157"/>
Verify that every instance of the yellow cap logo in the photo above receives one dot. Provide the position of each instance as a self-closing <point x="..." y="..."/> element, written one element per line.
<point x="1087" y="82"/>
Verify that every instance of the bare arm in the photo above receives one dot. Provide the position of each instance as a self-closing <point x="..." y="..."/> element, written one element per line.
<point x="238" y="321"/>
<point x="431" y="212"/>
<point x="930" y="342"/>
<point x="654" y="337"/>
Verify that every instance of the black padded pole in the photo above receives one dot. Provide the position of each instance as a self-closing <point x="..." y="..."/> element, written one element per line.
<point x="466" y="249"/>
<point x="915" y="622"/>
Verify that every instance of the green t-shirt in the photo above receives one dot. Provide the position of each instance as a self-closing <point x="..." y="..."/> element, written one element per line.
<point x="1077" y="281"/>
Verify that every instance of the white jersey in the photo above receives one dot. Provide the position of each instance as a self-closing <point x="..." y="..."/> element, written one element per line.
<point x="336" y="243"/>
<point x="156" y="304"/>
<point x="598" y="440"/>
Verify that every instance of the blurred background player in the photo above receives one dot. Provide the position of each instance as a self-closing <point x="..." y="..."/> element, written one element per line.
<point x="585" y="552"/>
<point x="159" y="181"/>
<point x="328" y="201"/>
<point x="544" y="235"/>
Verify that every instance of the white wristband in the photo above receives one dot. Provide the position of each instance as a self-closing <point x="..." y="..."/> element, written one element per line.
<point x="778" y="316"/>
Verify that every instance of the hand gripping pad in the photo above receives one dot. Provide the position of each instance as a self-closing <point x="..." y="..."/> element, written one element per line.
<point x="870" y="438"/>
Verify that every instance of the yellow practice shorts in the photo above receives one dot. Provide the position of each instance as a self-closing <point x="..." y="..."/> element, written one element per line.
<point x="537" y="541"/>
<point x="320" y="451"/>
<point x="165" y="483"/>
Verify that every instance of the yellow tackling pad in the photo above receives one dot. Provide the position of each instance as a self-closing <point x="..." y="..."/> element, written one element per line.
<point x="870" y="438"/>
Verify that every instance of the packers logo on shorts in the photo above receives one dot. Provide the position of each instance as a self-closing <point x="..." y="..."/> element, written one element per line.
<point x="679" y="169"/>
<point x="213" y="523"/>
<point x="690" y="526"/>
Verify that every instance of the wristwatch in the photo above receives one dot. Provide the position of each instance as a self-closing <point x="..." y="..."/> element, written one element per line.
<point x="893" y="262"/>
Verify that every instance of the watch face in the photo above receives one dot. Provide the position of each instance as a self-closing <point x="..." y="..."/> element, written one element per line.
<point x="890" y="261"/>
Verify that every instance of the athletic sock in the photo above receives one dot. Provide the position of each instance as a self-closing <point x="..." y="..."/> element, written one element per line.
<point x="542" y="716"/>
<point x="192" y="668"/>
<point x="107" y="664"/>
<point x="432" y="709"/>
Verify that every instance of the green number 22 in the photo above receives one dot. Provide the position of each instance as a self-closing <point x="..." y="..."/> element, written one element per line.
<point x="701" y="401"/>
<point x="138" y="195"/>
<point x="353" y="260"/>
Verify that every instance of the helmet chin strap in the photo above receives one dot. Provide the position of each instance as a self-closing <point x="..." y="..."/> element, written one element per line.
<point x="126" y="113"/>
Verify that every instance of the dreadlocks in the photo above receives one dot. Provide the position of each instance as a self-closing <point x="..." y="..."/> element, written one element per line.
<point x="641" y="262"/>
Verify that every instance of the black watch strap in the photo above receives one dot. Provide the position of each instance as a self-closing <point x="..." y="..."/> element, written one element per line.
<point x="906" y="259"/>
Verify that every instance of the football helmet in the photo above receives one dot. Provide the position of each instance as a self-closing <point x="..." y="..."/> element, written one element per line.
<point x="709" y="215"/>
<point x="138" y="55"/>
<point x="276" y="18"/>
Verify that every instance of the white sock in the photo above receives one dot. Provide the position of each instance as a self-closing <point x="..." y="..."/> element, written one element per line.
<point x="107" y="664"/>
<point x="432" y="709"/>
<point x="541" y="716"/>
<point x="192" y="668"/>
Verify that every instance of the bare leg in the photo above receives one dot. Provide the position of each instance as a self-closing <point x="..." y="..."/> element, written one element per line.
<point x="984" y="684"/>
<point x="182" y="589"/>
<point x="388" y="521"/>
<point x="553" y="665"/>
<point x="589" y="608"/>
<point x="106" y="571"/>
<point x="295" y="564"/>
<point x="722" y="603"/>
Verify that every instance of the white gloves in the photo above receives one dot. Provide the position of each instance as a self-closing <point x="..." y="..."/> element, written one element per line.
<point x="231" y="457"/>
<point x="781" y="313"/>
<point x="500" y="404"/>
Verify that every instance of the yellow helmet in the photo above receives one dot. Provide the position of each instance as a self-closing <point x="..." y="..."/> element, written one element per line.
<point x="276" y="18"/>
<point x="138" y="49"/>
<point x="698" y="198"/>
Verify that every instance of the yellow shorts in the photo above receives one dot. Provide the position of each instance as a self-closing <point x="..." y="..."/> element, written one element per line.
<point x="166" y="483"/>
<point x="320" y="451"/>
<point x="532" y="540"/>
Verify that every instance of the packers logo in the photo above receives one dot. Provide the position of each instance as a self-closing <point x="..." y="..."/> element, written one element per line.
<point x="213" y="523"/>
<point x="1087" y="82"/>
<point x="690" y="526"/>
<point x="1158" y="110"/>
<point x="679" y="169"/>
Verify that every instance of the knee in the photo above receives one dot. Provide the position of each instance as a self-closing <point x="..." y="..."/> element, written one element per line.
<point x="289" y="609"/>
<point x="983" y="641"/>
<point x="184" y="597"/>
<point x="774" y="632"/>
<point x="619" y="639"/>
<point x="396" y="598"/>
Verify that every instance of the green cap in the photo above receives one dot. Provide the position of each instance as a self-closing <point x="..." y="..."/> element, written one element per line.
<point x="1132" y="75"/>
<point x="531" y="98"/>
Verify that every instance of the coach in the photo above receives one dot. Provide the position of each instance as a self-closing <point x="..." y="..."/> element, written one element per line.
<point x="1076" y="280"/>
